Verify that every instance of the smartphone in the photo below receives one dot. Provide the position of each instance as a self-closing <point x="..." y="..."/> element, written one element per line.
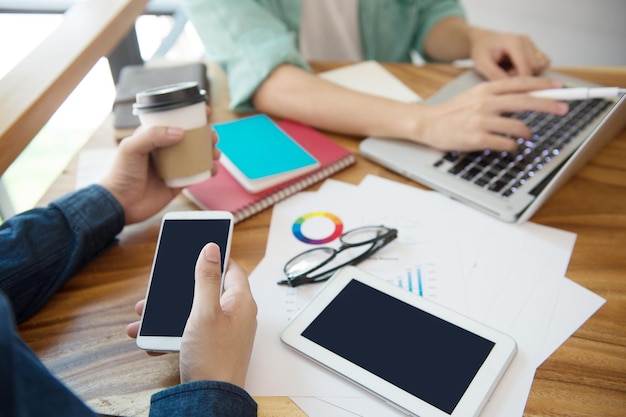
<point x="170" y="289"/>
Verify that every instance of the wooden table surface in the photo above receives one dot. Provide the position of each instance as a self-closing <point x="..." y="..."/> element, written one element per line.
<point x="80" y="334"/>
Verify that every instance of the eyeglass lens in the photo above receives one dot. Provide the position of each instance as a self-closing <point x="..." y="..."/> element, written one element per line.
<point x="363" y="235"/>
<point x="308" y="260"/>
<point x="329" y="258"/>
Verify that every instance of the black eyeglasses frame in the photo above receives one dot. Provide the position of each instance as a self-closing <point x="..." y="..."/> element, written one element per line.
<point x="377" y="243"/>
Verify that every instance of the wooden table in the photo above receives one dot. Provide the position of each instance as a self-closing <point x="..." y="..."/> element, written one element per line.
<point x="80" y="333"/>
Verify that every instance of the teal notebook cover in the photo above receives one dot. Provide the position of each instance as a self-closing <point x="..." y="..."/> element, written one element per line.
<point x="259" y="148"/>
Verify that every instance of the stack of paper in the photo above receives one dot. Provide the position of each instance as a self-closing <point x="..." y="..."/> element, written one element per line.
<point x="511" y="277"/>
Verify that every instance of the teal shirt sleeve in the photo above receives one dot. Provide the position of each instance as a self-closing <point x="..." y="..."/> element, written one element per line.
<point x="392" y="29"/>
<point x="247" y="40"/>
<point x="250" y="38"/>
<point x="433" y="12"/>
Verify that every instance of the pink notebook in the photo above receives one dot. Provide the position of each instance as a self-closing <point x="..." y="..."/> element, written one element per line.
<point x="223" y="192"/>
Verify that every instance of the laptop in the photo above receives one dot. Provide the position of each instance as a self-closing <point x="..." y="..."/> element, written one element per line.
<point x="511" y="186"/>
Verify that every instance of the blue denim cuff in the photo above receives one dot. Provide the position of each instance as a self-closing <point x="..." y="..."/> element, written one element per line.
<point x="203" y="398"/>
<point x="92" y="214"/>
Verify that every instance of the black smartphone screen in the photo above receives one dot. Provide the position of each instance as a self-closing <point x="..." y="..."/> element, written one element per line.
<point x="172" y="285"/>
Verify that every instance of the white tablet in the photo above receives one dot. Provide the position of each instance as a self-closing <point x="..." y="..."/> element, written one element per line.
<point x="417" y="355"/>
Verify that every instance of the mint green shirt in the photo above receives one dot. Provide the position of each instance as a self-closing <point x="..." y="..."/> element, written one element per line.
<point x="249" y="38"/>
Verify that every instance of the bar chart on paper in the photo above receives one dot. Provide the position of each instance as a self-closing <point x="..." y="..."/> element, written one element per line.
<point x="420" y="260"/>
<point x="420" y="280"/>
<point x="413" y="261"/>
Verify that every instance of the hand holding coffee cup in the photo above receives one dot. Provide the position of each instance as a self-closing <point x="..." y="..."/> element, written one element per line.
<point x="180" y="105"/>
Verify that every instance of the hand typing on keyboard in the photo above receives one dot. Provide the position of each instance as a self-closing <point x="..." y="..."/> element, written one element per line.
<point x="477" y="119"/>
<point x="504" y="172"/>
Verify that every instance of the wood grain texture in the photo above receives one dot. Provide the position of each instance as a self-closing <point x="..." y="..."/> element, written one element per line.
<point x="35" y="88"/>
<point x="80" y="333"/>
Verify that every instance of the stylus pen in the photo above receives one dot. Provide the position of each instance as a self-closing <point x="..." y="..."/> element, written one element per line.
<point x="579" y="93"/>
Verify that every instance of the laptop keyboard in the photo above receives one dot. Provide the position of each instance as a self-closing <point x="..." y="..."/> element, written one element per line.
<point x="504" y="172"/>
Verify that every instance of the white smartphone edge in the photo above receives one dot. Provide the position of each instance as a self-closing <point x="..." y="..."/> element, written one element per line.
<point x="170" y="343"/>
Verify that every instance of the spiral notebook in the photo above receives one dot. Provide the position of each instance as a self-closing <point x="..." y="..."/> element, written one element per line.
<point x="224" y="192"/>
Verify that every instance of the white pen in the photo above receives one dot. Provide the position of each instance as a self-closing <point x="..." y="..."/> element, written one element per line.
<point x="579" y="93"/>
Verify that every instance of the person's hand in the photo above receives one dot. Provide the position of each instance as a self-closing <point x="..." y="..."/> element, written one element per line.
<point x="501" y="55"/>
<point x="474" y="119"/>
<point x="219" y="334"/>
<point x="133" y="180"/>
<point x="132" y="329"/>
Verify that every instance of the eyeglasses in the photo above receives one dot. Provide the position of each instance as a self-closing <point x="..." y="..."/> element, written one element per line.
<point x="315" y="265"/>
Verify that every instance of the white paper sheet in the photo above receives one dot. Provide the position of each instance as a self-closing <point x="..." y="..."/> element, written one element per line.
<point x="531" y="300"/>
<point x="93" y="164"/>
<point x="574" y="306"/>
<point x="371" y="78"/>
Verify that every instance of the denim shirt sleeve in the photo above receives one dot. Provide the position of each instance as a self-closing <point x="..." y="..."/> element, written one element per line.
<point x="203" y="398"/>
<point x="42" y="248"/>
<point x="248" y="40"/>
<point x="27" y="387"/>
<point x="23" y="378"/>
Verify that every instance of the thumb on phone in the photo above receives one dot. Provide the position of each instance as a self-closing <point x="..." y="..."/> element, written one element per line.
<point x="218" y="338"/>
<point x="208" y="282"/>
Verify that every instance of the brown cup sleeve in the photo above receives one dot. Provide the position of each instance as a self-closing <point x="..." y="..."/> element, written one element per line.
<point x="192" y="155"/>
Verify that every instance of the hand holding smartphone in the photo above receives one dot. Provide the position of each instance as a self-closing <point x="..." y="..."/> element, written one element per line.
<point x="171" y="286"/>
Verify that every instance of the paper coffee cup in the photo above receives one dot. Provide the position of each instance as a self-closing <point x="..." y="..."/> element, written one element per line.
<point x="181" y="105"/>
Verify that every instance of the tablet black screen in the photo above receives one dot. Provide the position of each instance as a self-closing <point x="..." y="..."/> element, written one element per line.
<point x="420" y="353"/>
